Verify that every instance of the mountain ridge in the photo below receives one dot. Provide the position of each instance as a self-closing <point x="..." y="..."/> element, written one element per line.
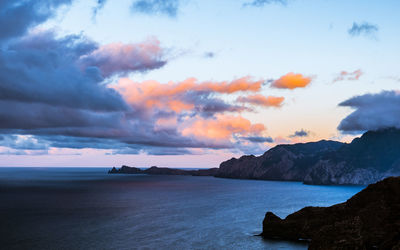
<point x="367" y="159"/>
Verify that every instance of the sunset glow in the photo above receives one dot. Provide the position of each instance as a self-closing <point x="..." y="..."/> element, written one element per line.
<point x="102" y="81"/>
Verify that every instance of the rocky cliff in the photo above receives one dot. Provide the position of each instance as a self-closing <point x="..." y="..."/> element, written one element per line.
<point x="368" y="220"/>
<point x="370" y="158"/>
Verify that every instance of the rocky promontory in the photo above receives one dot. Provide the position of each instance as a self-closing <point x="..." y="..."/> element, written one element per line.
<point x="163" y="171"/>
<point x="368" y="220"/>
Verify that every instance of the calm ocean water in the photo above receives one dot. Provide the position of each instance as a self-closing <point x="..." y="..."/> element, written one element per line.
<point x="85" y="208"/>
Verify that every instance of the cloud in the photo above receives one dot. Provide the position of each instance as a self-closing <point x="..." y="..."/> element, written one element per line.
<point x="18" y="16"/>
<point x="20" y="142"/>
<point x="222" y="128"/>
<point x="7" y="151"/>
<point x="99" y="5"/>
<point x="209" y="54"/>
<point x="163" y="7"/>
<point x="190" y="95"/>
<point x="261" y="3"/>
<point x="60" y="92"/>
<point x="349" y="76"/>
<point x="365" y="29"/>
<point x="291" y="81"/>
<point x="34" y="116"/>
<point x="133" y="90"/>
<point x="372" y="112"/>
<point x="258" y="139"/>
<point x="300" y="133"/>
<point x="118" y="58"/>
<point x="41" y="68"/>
<point x="270" y="101"/>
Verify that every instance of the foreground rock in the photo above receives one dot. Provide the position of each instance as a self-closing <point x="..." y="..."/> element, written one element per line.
<point x="163" y="171"/>
<point x="368" y="159"/>
<point x="368" y="220"/>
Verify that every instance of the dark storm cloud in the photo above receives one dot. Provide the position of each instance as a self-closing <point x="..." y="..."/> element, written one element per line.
<point x="300" y="133"/>
<point x="34" y="116"/>
<point x="40" y="68"/>
<point x="364" y="28"/>
<point x="258" y="139"/>
<point x="164" y="7"/>
<point x="261" y="3"/>
<point x="17" y="16"/>
<point x="372" y="112"/>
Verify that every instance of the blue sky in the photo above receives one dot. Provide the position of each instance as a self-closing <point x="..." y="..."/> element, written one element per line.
<point x="213" y="42"/>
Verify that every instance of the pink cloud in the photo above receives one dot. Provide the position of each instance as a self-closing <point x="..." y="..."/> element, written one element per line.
<point x="118" y="58"/>
<point x="349" y="76"/>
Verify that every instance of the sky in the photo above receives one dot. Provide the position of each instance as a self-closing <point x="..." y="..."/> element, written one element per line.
<point x="186" y="83"/>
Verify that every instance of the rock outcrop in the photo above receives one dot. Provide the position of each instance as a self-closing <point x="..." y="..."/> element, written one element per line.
<point x="368" y="220"/>
<point x="370" y="158"/>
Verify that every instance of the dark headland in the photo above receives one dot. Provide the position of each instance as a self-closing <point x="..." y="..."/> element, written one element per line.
<point x="163" y="171"/>
<point x="368" y="159"/>
<point x="368" y="220"/>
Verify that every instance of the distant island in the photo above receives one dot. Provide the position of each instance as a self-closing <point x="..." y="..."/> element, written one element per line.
<point x="163" y="171"/>
<point x="368" y="159"/>
<point x="368" y="220"/>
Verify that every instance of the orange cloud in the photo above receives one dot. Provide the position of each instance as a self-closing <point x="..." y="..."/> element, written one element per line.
<point x="222" y="127"/>
<point x="131" y="89"/>
<point x="241" y="84"/>
<point x="291" y="81"/>
<point x="270" y="101"/>
<point x="153" y="94"/>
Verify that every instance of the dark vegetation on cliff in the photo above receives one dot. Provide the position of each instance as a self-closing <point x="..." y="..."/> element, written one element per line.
<point x="368" y="220"/>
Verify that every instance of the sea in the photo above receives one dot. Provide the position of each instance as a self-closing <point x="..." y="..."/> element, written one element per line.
<point x="87" y="208"/>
